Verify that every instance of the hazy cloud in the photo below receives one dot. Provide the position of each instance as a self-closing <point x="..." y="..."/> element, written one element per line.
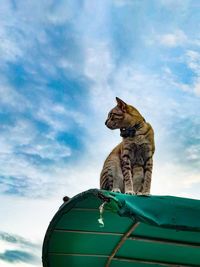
<point x="14" y="256"/>
<point x="178" y="38"/>
<point x="16" y="249"/>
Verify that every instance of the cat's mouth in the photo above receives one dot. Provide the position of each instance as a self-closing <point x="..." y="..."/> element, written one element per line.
<point x="111" y="126"/>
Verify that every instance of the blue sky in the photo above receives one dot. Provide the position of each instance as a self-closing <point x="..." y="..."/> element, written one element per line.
<point x="62" y="65"/>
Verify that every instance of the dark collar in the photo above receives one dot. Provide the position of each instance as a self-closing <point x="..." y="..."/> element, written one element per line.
<point x="129" y="131"/>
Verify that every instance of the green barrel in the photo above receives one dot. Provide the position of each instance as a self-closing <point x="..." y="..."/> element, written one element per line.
<point x="99" y="228"/>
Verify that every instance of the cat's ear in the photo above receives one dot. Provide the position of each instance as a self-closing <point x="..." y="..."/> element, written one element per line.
<point x="121" y="104"/>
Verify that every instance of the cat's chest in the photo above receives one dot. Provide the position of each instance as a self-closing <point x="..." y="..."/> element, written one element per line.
<point x="137" y="153"/>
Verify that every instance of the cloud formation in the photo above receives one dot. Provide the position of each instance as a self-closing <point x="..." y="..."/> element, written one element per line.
<point x="14" y="256"/>
<point x="66" y="73"/>
<point x="178" y="38"/>
<point x="15" y="249"/>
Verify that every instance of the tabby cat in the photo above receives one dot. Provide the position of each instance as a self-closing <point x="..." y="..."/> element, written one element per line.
<point x="128" y="168"/>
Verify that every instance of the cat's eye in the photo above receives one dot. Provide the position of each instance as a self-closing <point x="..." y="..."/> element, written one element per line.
<point x="110" y="115"/>
<point x="115" y="116"/>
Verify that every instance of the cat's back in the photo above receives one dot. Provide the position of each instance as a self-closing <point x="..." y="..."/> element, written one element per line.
<point x="115" y="153"/>
<point x="150" y="136"/>
<point x="110" y="168"/>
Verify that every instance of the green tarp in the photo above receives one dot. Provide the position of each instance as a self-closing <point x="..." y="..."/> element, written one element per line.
<point x="138" y="231"/>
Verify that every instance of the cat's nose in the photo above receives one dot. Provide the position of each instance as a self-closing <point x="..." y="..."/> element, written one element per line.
<point x="106" y="122"/>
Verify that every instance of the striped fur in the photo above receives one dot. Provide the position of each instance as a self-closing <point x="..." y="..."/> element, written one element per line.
<point x="128" y="168"/>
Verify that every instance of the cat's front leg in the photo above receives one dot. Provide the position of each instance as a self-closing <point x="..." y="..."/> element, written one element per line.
<point x="116" y="171"/>
<point x="116" y="190"/>
<point x="126" y="170"/>
<point x="147" y="177"/>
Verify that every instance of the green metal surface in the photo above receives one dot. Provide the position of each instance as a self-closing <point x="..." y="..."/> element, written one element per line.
<point x="166" y="232"/>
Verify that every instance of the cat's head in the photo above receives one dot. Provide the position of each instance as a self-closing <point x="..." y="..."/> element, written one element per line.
<point x="123" y="116"/>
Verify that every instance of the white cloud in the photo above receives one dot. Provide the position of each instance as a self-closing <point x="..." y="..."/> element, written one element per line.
<point x="193" y="61"/>
<point x="21" y="141"/>
<point x="20" y="175"/>
<point x="58" y="116"/>
<point x="177" y="38"/>
<point x="192" y="179"/>
<point x="9" y="49"/>
<point x="21" y="133"/>
<point x="11" y="98"/>
<point x="193" y="152"/>
<point x="197" y="87"/>
<point x="99" y="65"/>
<point x="26" y="38"/>
<point x="18" y="251"/>
<point x="174" y="180"/>
<point x="20" y="144"/>
<point x="52" y="151"/>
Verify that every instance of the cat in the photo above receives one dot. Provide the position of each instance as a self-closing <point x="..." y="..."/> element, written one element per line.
<point x="128" y="168"/>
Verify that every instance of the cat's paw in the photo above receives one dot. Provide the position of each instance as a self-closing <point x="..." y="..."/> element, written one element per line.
<point x="130" y="192"/>
<point x="143" y="193"/>
<point x="116" y="190"/>
<point x="146" y="194"/>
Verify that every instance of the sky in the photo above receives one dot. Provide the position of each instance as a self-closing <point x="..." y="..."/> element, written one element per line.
<point x="62" y="63"/>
